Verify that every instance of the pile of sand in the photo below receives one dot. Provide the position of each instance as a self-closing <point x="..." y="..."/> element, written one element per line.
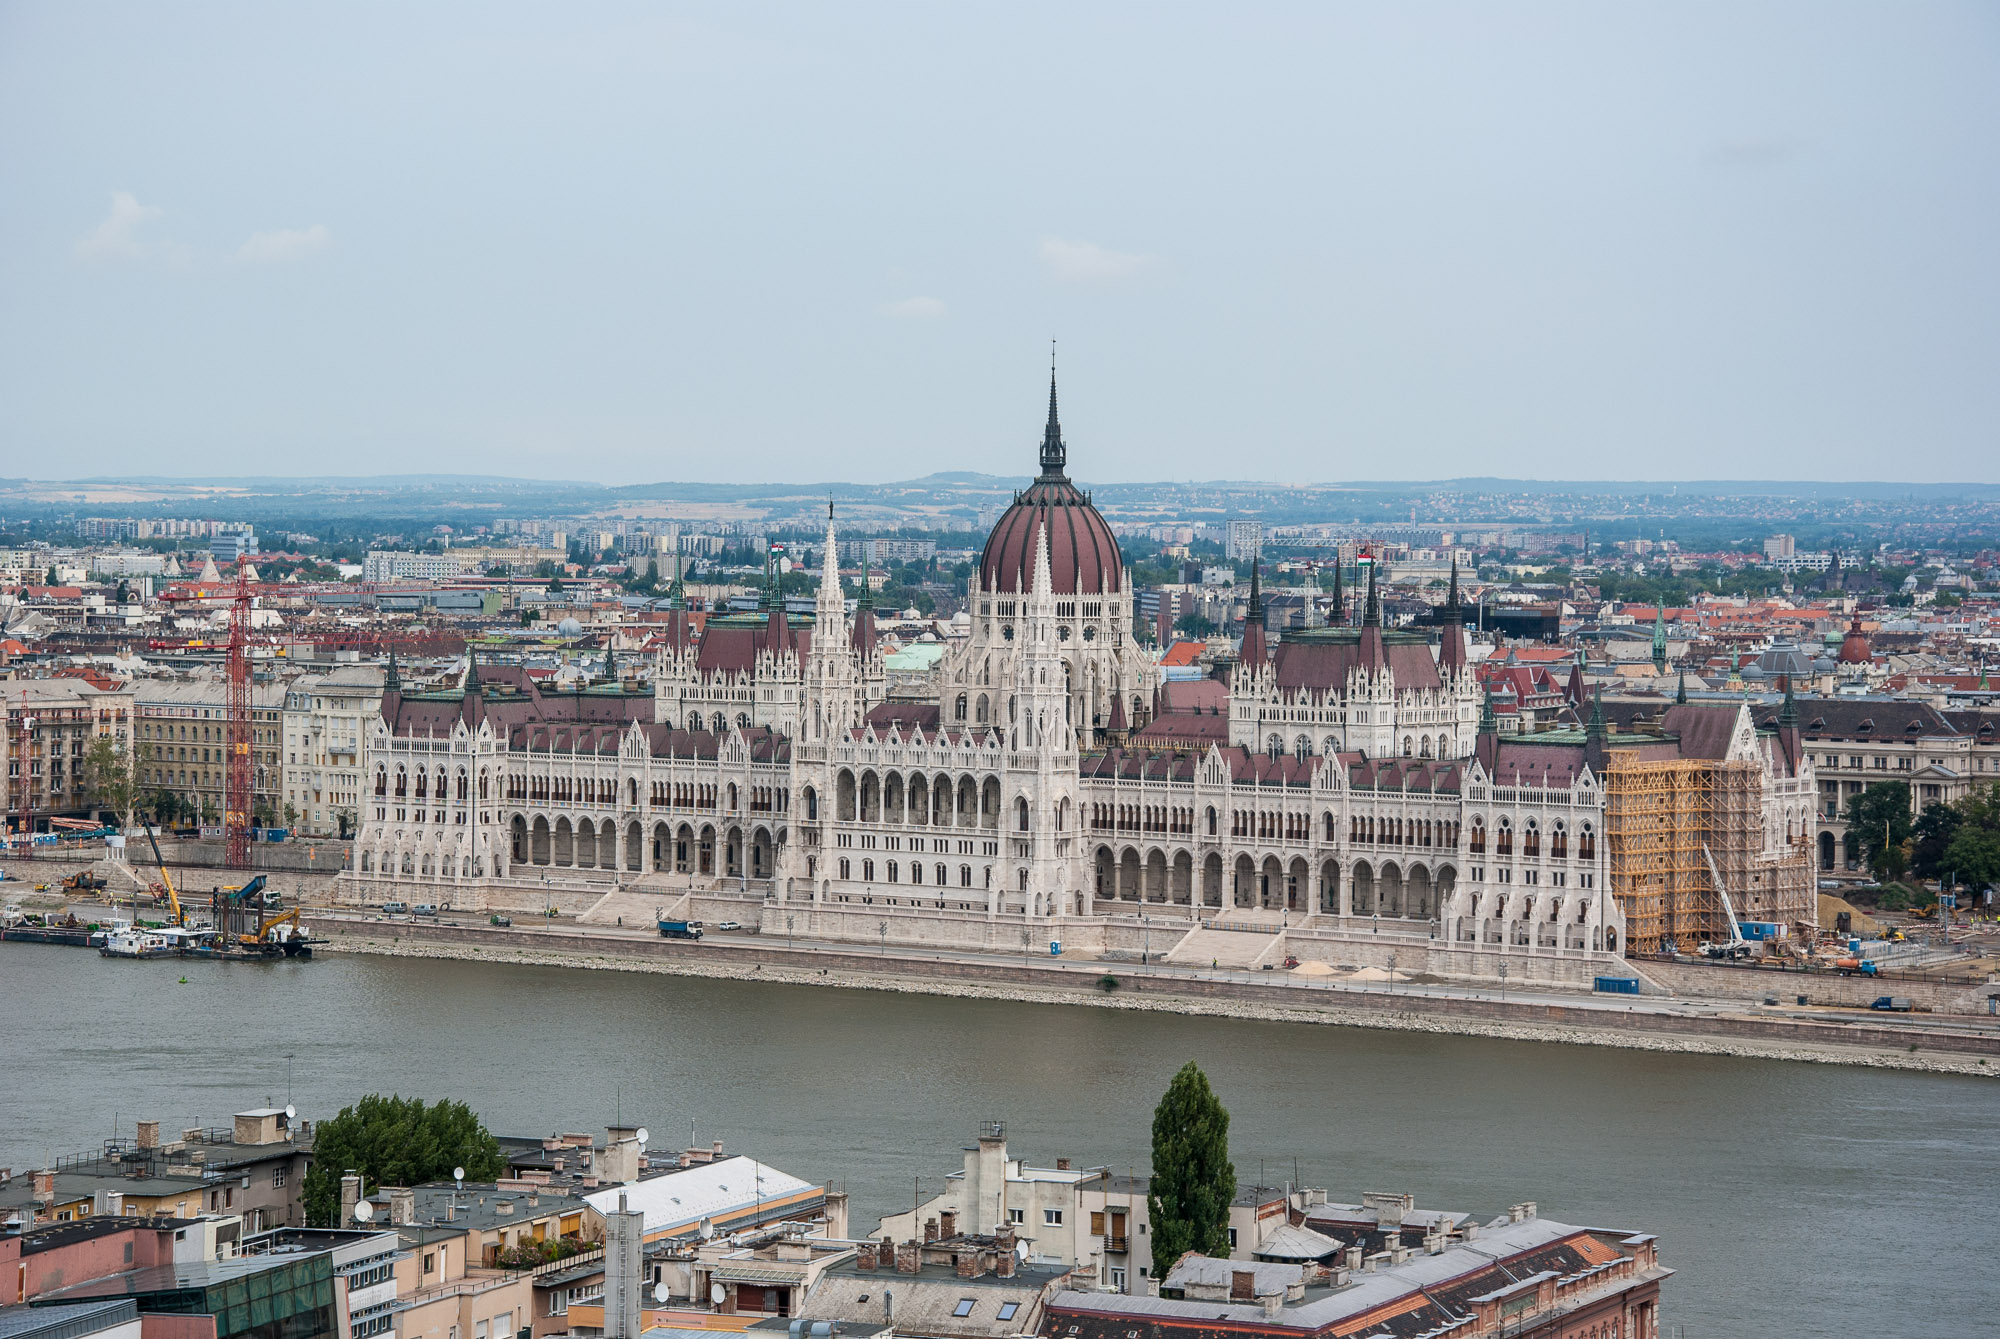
<point x="1311" y="968"/>
<point x="1830" y="907"/>
<point x="1377" y="974"/>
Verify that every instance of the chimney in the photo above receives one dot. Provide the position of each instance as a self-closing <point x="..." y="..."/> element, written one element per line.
<point x="1003" y="1264"/>
<point x="865" y="1257"/>
<point x="1003" y="1237"/>
<point x="1353" y="1259"/>
<point x="350" y="1195"/>
<point x="1062" y="1164"/>
<point x="402" y="1206"/>
<point x="907" y="1258"/>
<point x="1273" y="1303"/>
<point x="930" y="1230"/>
<point x="149" y="1134"/>
<point x="948" y="1223"/>
<point x="967" y="1263"/>
<point x="718" y="1148"/>
<point x="1472" y="1232"/>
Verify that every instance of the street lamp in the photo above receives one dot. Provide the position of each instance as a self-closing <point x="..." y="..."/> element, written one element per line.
<point x="1503" y="980"/>
<point x="788" y="930"/>
<point x="1392" y="973"/>
<point x="1146" y="944"/>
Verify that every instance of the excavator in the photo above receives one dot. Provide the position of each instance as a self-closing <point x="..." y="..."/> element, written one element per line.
<point x="280" y="934"/>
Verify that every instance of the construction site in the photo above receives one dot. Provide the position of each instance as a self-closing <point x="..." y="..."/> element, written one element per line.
<point x="1707" y="834"/>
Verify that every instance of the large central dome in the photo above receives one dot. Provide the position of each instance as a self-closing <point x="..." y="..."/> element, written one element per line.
<point x="1083" y="553"/>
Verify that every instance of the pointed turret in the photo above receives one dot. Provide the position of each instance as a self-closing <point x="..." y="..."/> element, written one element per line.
<point x="610" y="662"/>
<point x="1789" y="739"/>
<point x="830" y="610"/>
<point x="1372" y="656"/>
<point x="1451" y="643"/>
<point x="777" y="632"/>
<point x="679" y="626"/>
<point x="472" y="684"/>
<point x="1596" y="735"/>
<point x="1339" y="598"/>
<point x="392" y="681"/>
<point x="1255" y="650"/>
<point x="1486" y="746"/>
<point x="863" y="637"/>
<point x="1660" y="640"/>
<point x="1681" y="692"/>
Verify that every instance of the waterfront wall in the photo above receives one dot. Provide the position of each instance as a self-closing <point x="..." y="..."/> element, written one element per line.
<point x="1083" y="979"/>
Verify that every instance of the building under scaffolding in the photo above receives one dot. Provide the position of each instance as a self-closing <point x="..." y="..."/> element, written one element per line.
<point x="1706" y="794"/>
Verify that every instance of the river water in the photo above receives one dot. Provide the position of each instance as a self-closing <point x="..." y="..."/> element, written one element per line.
<point x="1794" y="1199"/>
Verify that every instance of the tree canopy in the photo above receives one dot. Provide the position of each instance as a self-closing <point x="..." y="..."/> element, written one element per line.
<point x="1879" y="818"/>
<point x="1193" y="1179"/>
<point x="398" y="1141"/>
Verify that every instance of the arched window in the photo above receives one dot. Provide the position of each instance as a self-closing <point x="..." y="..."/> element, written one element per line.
<point x="844" y="867"/>
<point x="1021" y="814"/>
<point x="1302" y="748"/>
<point x="1211" y="820"/>
<point x="965" y="876"/>
<point x="1275" y="746"/>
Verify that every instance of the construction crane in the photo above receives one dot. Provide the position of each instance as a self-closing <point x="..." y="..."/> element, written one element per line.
<point x="173" y="898"/>
<point x="1738" y="946"/>
<point x="236" y="796"/>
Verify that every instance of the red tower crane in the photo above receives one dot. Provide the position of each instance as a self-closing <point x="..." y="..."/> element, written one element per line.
<point x="236" y="797"/>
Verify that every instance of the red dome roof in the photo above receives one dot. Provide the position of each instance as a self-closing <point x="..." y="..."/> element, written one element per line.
<point x="1083" y="553"/>
<point x="1854" y="647"/>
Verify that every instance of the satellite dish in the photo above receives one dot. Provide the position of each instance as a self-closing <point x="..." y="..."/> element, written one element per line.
<point x="458" y="1174"/>
<point x="291" y="1112"/>
<point x="717" y="1293"/>
<point x="707" y="1229"/>
<point x="363" y="1211"/>
<point x="661" y="1293"/>
<point x="1021" y="1251"/>
<point x="644" y="1135"/>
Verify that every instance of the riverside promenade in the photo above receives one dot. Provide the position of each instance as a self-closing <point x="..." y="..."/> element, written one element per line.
<point x="1938" y="1043"/>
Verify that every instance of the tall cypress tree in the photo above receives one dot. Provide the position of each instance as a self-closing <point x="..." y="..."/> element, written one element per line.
<point x="1193" y="1179"/>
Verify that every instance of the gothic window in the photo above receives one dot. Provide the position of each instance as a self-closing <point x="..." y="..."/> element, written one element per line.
<point x="1275" y="746"/>
<point x="1302" y="747"/>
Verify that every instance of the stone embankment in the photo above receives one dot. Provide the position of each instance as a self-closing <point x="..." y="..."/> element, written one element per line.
<point x="1644" y="1027"/>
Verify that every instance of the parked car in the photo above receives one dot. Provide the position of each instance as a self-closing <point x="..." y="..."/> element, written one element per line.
<point x="502" y="921"/>
<point x="395" y="908"/>
<point x="1892" y="1004"/>
<point x="424" y="909"/>
<point x="728" y="925"/>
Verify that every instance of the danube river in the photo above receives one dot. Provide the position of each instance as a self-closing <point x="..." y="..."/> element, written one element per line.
<point x="1794" y="1199"/>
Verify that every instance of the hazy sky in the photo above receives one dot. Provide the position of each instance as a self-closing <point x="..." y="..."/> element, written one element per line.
<point x="735" y="241"/>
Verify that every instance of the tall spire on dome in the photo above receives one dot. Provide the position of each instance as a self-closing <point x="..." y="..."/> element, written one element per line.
<point x="472" y="684"/>
<point x="392" y="680"/>
<point x="1054" y="454"/>
<point x="1339" y="599"/>
<point x="1371" y="615"/>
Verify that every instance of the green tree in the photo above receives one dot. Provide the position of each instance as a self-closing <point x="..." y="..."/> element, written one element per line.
<point x="1973" y="858"/>
<point x="1193" y="1179"/>
<point x="1931" y="836"/>
<point x="1880" y="817"/>
<point x="397" y="1141"/>
<point x="111" y="770"/>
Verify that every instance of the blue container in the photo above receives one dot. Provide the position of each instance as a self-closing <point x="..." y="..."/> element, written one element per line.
<point x="1618" y="985"/>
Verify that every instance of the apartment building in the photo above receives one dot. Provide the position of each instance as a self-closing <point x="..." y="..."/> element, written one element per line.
<point x="183" y="726"/>
<point x="49" y="724"/>
<point x="325" y="720"/>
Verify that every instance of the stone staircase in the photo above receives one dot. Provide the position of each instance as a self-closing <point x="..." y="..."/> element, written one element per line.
<point x="1238" y="950"/>
<point x="637" y="905"/>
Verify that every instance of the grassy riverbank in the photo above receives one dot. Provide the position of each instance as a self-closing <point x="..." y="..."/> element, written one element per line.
<point x="1409" y="1014"/>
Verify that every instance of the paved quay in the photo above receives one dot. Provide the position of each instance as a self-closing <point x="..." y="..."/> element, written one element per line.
<point x="1955" y="1045"/>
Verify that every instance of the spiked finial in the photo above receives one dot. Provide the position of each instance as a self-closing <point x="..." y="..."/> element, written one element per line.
<point x="392" y="679"/>
<point x="1788" y="715"/>
<point x="1339" y="600"/>
<point x="1598" y="725"/>
<point x="1681" y="693"/>
<point x="610" y="662"/>
<point x="1054" y="453"/>
<point x="1451" y="605"/>
<point x="472" y="684"/>
<point x="1371" y="616"/>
